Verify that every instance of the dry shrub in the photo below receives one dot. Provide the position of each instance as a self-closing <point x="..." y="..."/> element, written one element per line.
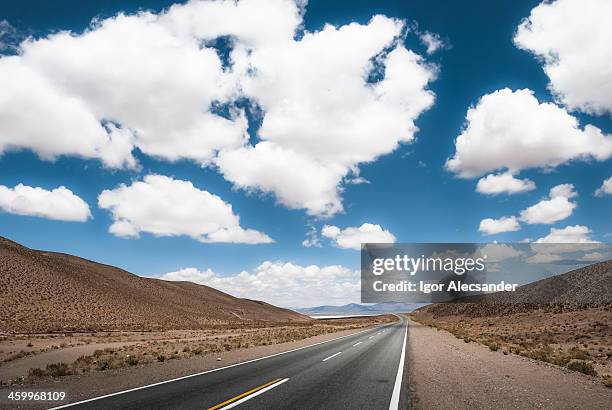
<point x="582" y="367"/>
<point x="57" y="369"/>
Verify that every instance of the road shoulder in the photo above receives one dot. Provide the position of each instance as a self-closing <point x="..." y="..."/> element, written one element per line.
<point x="447" y="373"/>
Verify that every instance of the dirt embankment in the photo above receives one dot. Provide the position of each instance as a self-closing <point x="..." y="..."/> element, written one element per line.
<point x="448" y="373"/>
<point x="577" y="339"/>
<point x="565" y="320"/>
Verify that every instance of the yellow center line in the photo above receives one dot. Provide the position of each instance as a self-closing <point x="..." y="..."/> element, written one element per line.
<point x="233" y="399"/>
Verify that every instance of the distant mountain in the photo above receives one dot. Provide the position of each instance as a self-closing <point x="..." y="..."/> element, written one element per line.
<point x="396" y="307"/>
<point x="357" y="309"/>
<point x="46" y="291"/>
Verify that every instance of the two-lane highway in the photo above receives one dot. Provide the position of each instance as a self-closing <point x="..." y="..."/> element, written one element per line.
<point x="359" y="371"/>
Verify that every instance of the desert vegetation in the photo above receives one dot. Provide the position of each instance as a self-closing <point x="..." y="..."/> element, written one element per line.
<point x="576" y="338"/>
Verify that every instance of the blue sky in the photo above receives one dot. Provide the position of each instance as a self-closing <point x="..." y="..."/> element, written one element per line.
<point x="410" y="193"/>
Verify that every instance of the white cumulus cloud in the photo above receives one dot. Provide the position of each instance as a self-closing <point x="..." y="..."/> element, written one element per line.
<point x="295" y="179"/>
<point x="569" y="234"/>
<point x="605" y="188"/>
<point x="498" y="252"/>
<point x="353" y="237"/>
<point x="512" y="130"/>
<point x="490" y="226"/>
<point x="544" y="258"/>
<point x="164" y="206"/>
<point x="495" y="184"/>
<point x="59" y="204"/>
<point x="321" y="116"/>
<point x="556" y="208"/>
<point x="282" y="283"/>
<point x="128" y="81"/>
<point x="596" y="256"/>
<point x="328" y="100"/>
<point x="572" y="39"/>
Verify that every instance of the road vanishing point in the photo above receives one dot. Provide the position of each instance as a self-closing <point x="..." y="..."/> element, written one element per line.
<point x="364" y="370"/>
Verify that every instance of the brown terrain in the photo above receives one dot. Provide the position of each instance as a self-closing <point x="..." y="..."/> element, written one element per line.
<point x="53" y="292"/>
<point x="546" y="321"/>
<point x="448" y="373"/>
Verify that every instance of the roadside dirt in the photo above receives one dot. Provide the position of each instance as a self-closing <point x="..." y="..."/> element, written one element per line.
<point x="578" y="337"/>
<point x="448" y="373"/>
<point x="21" y="367"/>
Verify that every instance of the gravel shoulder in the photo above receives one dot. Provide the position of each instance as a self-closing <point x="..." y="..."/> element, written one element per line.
<point x="21" y="367"/>
<point x="447" y="373"/>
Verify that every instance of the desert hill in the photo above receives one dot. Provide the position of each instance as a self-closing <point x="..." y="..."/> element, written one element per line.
<point x="590" y="285"/>
<point x="46" y="291"/>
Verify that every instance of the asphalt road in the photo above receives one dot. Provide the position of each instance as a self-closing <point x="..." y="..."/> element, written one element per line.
<point x="359" y="371"/>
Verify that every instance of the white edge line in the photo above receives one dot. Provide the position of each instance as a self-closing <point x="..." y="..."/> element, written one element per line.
<point x="356" y="344"/>
<point x="210" y="371"/>
<point x="331" y="357"/>
<point x="257" y="393"/>
<point x="394" y="405"/>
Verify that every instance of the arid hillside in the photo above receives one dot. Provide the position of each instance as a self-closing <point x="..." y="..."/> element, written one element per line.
<point x="46" y="291"/>
<point x="574" y="290"/>
<point x="565" y="320"/>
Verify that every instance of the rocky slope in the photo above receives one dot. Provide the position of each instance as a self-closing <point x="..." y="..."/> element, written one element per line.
<point x="574" y="290"/>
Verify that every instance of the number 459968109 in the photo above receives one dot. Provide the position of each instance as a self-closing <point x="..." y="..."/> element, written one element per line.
<point x="36" y="395"/>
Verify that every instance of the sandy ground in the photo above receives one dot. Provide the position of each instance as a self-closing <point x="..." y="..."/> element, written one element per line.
<point x="54" y="348"/>
<point x="20" y="367"/>
<point x="447" y="373"/>
<point x="103" y="382"/>
<point x="547" y="335"/>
